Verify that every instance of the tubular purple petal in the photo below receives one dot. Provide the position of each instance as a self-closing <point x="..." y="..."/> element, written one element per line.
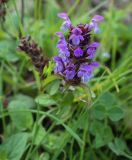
<point x="78" y="52"/>
<point x="95" y="64"/>
<point x="62" y="15"/>
<point x="59" y="34"/>
<point x="97" y="18"/>
<point x="70" y="72"/>
<point x="76" y="31"/>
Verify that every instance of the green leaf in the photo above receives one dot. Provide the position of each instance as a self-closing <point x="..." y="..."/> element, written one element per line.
<point x="115" y="114"/>
<point x="15" y="146"/>
<point x="95" y="127"/>
<point x="3" y="154"/>
<point x="45" y="156"/>
<point x="53" y="87"/>
<point x="68" y="99"/>
<point x="45" y="100"/>
<point x="40" y="156"/>
<point x="39" y="135"/>
<point x="64" y="113"/>
<point x="103" y="134"/>
<point x="104" y="137"/>
<point x="20" y="114"/>
<point x="107" y="105"/>
<point x="107" y="99"/>
<point x="99" y="111"/>
<point x="28" y="101"/>
<point x="49" y="79"/>
<point x="119" y="147"/>
<point x="8" y="53"/>
<point x="83" y="121"/>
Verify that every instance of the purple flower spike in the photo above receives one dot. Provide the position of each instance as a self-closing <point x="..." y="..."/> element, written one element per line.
<point x="67" y="23"/>
<point x="92" y="49"/>
<point x="59" y="64"/>
<point x="76" y="36"/>
<point x="78" y="52"/>
<point x="70" y="72"/>
<point x="85" y="72"/>
<point x="93" y="23"/>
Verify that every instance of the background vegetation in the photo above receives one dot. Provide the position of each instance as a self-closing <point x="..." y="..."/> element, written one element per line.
<point x="44" y="120"/>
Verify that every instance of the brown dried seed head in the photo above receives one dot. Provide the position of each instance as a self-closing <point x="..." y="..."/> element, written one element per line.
<point x="34" y="52"/>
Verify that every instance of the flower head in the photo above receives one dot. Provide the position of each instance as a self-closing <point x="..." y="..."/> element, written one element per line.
<point x="32" y="49"/>
<point x="76" y="50"/>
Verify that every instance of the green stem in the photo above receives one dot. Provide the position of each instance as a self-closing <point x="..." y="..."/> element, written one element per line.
<point x="36" y="9"/>
<point x="21" y="30"/>
<point x="73" y="7"/>
<point x="22" y="11"/>
<point x="84" y="140"/>
<point x="36" y="126"/>
<point x="45" y="136"/>
<point x="1" y="103"/>
<point x="39" y="9"/>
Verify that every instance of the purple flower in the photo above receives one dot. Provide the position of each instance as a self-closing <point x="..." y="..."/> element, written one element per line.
<point x="60" y="35"/>
<point x="85" y="72"/>
<point x="76" y="36"/>
<point x="62" y="15"/>
<point x="70" y="72"/>
<point x="92" y="49"/>
<point x="63" y="50"/>
<point x="93" y="23"/>
<point x="67" y="23"/>
<point x="62" y="38"/>
<point x="97" y="18"/>
<point x="62" y="46"/>
<point x="78" y="52"/>
<point x="59" y="64"/>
